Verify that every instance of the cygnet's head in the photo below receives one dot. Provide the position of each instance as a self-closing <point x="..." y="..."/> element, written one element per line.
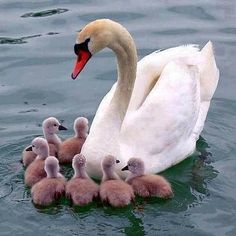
<point x="135" y="166"/>
<point x="51" y="126"/>
<point x="79" y="161"/>
<point x="52" y="167"/>
<point x="39" y="146"/>
<point x="109" y="162"/>
<point x="81" y="127"/>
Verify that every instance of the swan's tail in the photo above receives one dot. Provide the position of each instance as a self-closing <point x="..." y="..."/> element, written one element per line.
<point x="209" y="73"/>
<point x="209" y="76"/>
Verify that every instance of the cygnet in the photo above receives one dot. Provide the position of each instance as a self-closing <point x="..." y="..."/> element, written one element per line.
<point x="72" y="146"/>
<point x="50" y="188"/>
<point x="146" y="185"/>
<point x="50" y="128"/>
<point x="112" y="189"/>
<point x="81" y="189"/>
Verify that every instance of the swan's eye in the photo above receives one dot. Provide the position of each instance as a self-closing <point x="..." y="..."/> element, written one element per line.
<point x="33" y="146"/>
<point x="55" y="124"/>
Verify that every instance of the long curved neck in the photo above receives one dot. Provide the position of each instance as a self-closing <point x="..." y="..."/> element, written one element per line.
<point x="124" y="47"/>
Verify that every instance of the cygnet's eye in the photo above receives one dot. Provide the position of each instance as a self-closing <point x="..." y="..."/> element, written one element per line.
<point x="33" y="146"/>
<point x="55" y="125"/>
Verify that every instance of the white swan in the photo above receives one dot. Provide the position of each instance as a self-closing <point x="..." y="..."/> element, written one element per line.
<point x="157" y="108"/>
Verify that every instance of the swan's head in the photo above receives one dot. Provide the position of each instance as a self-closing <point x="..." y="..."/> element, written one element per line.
<point x="92" y="38"/>
<point x="51" y="126"/>
<point x="52" y="167"/>
<point x="81" y="127"/>
<point x="135" y="166"/>
<point x="39" y="146"/>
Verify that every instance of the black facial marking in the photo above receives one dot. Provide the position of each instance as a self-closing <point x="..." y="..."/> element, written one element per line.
<point x="81" y="46"/>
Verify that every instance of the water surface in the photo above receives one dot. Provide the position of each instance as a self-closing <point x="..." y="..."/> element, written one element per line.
<point x="36" y="59"/>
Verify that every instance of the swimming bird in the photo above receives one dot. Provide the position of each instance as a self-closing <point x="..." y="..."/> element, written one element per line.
<point x="112" y="189"/>
<point x="81" y="189"/>
<point x="50" y="188"/>
<point x="72" y="146"/>
<point x="28" y="156"/>
<point x="50" y="128"/>
<point x="170" y="90"/>
<point x="35" y="171"/>
<point x="146" y="185"/>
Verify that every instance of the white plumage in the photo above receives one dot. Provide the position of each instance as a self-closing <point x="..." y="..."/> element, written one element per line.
<point x="160" y="116"/>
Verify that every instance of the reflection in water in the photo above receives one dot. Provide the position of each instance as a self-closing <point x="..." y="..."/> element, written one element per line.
<point x="189" y="178"/>
<point x="136" y="225"/>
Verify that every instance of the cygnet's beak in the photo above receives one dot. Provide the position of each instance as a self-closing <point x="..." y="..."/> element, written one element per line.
<point x="117" y="161"/>
<point x="125" y="168"/>
<point x="29" y="149"/>
<point x="61" y="127"/>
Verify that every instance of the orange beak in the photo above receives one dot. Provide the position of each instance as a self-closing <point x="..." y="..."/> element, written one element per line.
<point x="82" y="59"/>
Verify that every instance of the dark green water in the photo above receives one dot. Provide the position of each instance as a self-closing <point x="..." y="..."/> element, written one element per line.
<point x="36" y="59"/>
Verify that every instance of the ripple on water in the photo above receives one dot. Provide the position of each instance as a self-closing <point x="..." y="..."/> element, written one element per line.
<point x="192" y="12"/>
<point x="21" y="40"/>
<point x="35" y="96"/>
<point x="230" y="30"/>
<point x="45" y="13"/>
<point x="116" y="16"/>
<point x="29" y="110"/>
<point x="181" y="31"/>
<point x="6" y="186"/>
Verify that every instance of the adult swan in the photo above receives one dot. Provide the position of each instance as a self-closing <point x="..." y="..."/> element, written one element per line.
<point x="157" y="108"/>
